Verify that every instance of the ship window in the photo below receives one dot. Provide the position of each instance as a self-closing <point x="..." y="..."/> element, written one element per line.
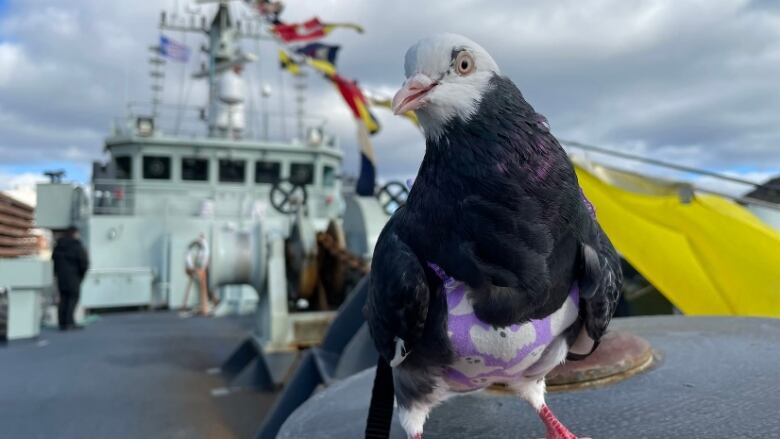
<point x="328" y="176"/>
<point x="267" y="172"/>
<point x="232" y="171"/>
<point x="124" y="167"/>
<point x="194" y="169"/>
<point x="157" y="167"/>
<point x="302" y="173"/>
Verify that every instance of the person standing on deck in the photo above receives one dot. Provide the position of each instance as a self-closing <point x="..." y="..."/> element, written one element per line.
<point x="70" y="266"/>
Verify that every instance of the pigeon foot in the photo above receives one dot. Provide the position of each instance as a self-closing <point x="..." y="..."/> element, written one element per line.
<point x="555" y="430"/>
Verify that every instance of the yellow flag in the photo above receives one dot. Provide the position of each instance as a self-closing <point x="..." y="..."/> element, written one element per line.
<point x="707" y="255"/>
<point x="289" y="64"/>
<point x="325" y="67"/>
<point x="387" y="103"/>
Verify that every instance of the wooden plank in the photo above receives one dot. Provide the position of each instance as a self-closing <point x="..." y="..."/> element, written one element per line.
<point x="14" y="252"/>
<point x="15" y="222"/>
<point x="18" y="242"/>
<point x="14" y="211"/>
<point x="13" y="201"/>
<point x="13" y="232"/>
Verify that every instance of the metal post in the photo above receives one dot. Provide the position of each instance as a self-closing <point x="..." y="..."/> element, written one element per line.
<point x="300" y="100"/>
<point x="265" y="93"/>
<point x="281" y="104"/>
<point x="3" y="315"/>
<point x="214" y="34"/>
<point x="265" y="126"/>
<point x="157" y="76"/>
<point x="183" y="79"/>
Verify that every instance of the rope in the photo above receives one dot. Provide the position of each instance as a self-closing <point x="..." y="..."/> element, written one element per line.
<point x="354" y="262"/>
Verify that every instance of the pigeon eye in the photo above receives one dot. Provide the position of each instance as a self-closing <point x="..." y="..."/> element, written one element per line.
<point x="464" y="63"/>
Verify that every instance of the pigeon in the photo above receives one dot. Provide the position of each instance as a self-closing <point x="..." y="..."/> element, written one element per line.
<point x="495" y="270"/>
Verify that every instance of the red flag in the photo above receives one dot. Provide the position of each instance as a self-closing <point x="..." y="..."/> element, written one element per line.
<point x="356" y="101"/>
<point x="306" y="31"/>
<point x="310" y="30"/>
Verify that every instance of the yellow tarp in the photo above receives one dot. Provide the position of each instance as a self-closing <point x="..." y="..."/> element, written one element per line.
<point x="709" y="256"/>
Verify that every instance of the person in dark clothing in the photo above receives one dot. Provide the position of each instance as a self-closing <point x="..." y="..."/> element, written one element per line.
<point x="70" y="266"/>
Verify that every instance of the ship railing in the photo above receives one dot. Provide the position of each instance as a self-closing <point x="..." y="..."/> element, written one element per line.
<point x="113" y="197"/>
<point x="191" y="122"/>
<point x="686" y="170"/>
<point x="128" y="197"/>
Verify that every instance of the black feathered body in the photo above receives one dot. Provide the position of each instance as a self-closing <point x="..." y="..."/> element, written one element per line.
<point x="496" y="204"/>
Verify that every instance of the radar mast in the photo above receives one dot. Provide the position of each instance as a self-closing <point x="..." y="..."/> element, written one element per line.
<point x="224" y="54"/>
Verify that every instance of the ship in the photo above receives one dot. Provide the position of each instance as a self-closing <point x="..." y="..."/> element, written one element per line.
<point x="289" y="237"/>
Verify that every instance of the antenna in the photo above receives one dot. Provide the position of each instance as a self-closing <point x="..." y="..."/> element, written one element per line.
<point x="55" y="176"/>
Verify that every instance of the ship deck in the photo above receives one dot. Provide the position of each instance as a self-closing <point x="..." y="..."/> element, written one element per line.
<point x="129" y="375"/>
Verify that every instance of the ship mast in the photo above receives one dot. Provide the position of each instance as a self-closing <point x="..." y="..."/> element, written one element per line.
<point x="223" y="54"/>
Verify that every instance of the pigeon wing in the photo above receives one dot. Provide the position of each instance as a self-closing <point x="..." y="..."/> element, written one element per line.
<point x="600" y="280"/>
<point x="398" y="295"/>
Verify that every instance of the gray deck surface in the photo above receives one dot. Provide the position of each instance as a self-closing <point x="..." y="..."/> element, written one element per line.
<point x="719" y="379"/>
<point x="133" y="375"/>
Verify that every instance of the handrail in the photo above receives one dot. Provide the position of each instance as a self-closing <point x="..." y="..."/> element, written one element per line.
<point x="136" y="108"/>
<point x="189" y="121"/>
<point x="664" y="164"/>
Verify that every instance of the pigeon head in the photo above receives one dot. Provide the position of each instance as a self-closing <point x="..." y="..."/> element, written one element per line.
<point x="446" y="77"/>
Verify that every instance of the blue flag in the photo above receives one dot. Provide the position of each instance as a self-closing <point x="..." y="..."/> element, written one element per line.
<point x="322" y="52"/>
<point x="174" y="50"/>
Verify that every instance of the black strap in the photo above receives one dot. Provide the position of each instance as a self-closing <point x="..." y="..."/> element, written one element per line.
<point x="380" y="411"/>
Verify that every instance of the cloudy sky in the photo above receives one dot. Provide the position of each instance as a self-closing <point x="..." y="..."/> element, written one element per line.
<point x="693" y="81"/>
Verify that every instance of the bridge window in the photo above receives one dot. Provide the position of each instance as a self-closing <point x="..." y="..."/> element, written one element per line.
<point x="157" y="167"/>
<point x="194" y="169"/>
<point x="232" y="171"/>
<point x="267" y="172"/>
<point x="302" y="173"/>
<point x="124" y="167"/>
<point x="328" y="176"/>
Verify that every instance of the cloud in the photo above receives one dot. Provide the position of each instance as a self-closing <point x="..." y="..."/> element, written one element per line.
<point x="692" y="82"/>
<point x="20" y="186"/>
<point x="10" y="60"/>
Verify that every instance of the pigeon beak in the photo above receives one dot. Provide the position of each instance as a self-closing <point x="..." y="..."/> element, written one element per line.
<point x="412" y="95"/>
